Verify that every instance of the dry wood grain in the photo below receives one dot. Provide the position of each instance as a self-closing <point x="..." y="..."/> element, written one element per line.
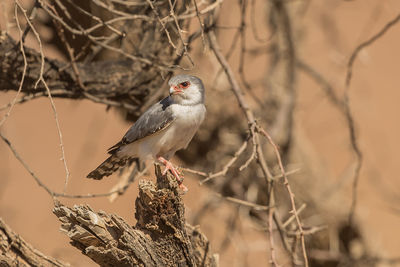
<point x="160" y="237"/>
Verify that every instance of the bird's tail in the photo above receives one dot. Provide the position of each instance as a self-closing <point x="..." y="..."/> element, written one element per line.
<point x="109" y="166"/>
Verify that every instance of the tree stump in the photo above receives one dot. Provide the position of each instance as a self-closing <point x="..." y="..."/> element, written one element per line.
<point x="160" y="237"/>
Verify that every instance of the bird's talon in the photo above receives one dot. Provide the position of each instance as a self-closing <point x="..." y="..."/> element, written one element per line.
<point x="183" y="188"/>
<point x="176" y="172"/>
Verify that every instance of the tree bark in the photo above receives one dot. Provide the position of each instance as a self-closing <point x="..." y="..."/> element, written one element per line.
<point x="15" y="251"/>
<point x="160" y="237"/>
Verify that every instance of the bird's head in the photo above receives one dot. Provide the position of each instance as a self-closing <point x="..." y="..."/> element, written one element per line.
<point x="186" y="89"/>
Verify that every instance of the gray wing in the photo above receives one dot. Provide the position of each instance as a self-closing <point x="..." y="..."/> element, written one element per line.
<point x="158" y="117"/>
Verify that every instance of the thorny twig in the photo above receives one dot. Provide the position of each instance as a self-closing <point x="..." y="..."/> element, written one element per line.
<point x="271" y="213"/>
<point x="249" y="115"/>
<point x="254" y="130"/>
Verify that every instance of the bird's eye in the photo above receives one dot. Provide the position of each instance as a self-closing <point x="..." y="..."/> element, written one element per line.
<point x="184" y="85"/>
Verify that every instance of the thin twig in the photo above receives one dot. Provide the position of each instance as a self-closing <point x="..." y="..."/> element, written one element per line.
<point x="204" y="174"/>
<point x="97" y="40"/>
<point x="290" y="192"/>
<point x="310" y="231"/>
<point x="244" y="203"/>
<point x="41" y="80"/>
<point x="70" y="50"/>
<point x="101" y="23"/>
<point x="271" y="213"/>
<point x="21" y="47"/>
<point x="63" y="195"/>
<point x="357" y="50"/>
<point x="227" y="165"/>
<point x="291" y="218"/>
<point x="254" y="129"/>
<point x="253" y="24"/>
<point x="349" y="117"/>
<point x="325" y="85"/>
<point x="200" y="22"/>
<point x="185" y="49"/>
<point x="162" y="24"/>
<point x="243" y="51"/>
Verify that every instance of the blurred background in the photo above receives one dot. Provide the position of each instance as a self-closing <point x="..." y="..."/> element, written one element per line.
<point x="290" y="58"/>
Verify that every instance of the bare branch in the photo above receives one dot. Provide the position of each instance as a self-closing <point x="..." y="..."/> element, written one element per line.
<point x="15" y="251"/>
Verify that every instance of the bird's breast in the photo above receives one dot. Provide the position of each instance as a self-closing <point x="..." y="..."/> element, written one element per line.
<point x="189" y="116"/>
<point x="178" y="135"/>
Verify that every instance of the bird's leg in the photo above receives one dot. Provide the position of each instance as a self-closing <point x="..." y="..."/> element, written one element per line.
<point x="168" y="166"/>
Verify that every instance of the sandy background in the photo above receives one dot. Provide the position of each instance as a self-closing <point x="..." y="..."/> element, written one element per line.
<point x="332" y="30"/>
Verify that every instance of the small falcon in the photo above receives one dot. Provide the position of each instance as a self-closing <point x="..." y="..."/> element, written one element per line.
<point x="163" y="129"/>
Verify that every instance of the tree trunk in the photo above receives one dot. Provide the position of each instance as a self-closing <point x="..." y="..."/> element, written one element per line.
<point x="161" y="236"/>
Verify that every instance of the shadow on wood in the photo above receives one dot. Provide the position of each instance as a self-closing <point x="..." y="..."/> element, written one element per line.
<point x="161" y="236"/>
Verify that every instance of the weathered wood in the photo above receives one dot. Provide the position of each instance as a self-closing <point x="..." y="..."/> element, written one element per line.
<point x="160" y="237"/>
<point x="15" y="251"/>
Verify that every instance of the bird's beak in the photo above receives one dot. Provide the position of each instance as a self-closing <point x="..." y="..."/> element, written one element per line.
<point x="173" y="90"/>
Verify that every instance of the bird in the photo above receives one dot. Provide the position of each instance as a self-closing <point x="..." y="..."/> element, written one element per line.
<point x="166" y="127"/>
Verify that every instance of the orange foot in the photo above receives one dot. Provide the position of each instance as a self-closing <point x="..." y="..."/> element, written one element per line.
<point x="169" y="167"/>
